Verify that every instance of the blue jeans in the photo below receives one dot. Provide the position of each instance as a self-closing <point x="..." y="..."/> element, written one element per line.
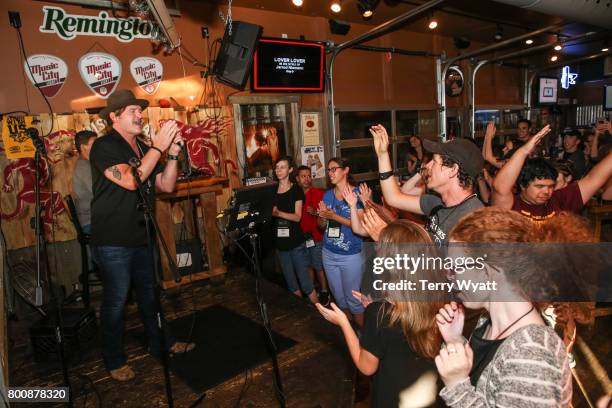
<point x="294" y="264"/>
<point x="120" y="267"/>
<point x="344" y="275"/>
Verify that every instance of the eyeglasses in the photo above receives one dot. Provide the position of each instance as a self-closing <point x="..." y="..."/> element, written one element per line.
<point x="332" y="170"/>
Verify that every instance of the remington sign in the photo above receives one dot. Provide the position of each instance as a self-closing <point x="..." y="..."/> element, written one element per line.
<point x="68" y="26"/>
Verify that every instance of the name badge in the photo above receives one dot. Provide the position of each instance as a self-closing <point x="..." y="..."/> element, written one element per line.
<point x="310" y="243"/>
<point x="333" y="232"/>
<point x="282" y="232"/>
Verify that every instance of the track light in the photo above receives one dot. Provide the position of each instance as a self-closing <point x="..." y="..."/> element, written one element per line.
<point x="298" y="3"/>
<point x="499" y="34"/>
<point x="433" y="23"/>
<point x="558" y="45"/>
<point x="529" y="41"/>
<point x="554" y="58"/>
<point x="335" y="6"/>
<point x="366" y="7"/>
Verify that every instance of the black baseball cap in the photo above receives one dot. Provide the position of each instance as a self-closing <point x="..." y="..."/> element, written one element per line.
<point x="463" y="151"/>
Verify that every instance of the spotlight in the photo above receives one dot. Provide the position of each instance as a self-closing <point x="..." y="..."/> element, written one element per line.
<point x="554" y="58"/>
<point x="558" y="47"/>
<point x="433" y="23"/>
<point x="605" y="49"/>
<point x="366" y="7"/>
<point x="529" y="41"/>
<point x="298" y="3"/>
<point x="499" y="34"/>
<point x="335" y="6"/>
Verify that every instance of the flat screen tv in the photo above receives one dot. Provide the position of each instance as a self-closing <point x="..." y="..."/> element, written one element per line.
<point x="607" y="102"/>
<point x="548" y="90"/>
<point x="281" y="65"/>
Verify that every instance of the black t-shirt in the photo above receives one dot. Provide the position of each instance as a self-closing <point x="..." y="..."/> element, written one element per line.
<point x="116" y="219"/>
<point x="484" y="350"/>
<point x="288" y="233"/>
<point x="398" y="367"/>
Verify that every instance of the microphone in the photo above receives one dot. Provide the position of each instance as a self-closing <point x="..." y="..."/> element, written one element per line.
<point x="183" y="146"/>
<point x="39" y="145"/>
<point x="134" y="162"/>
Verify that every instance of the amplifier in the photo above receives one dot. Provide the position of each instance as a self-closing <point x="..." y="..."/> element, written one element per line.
<point x="79" y="328"/>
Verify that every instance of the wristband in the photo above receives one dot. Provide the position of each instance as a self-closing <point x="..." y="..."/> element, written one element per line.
<point x="158" y="149"/>
<point x="172" y="157"/>
<point x="385" y="175"/>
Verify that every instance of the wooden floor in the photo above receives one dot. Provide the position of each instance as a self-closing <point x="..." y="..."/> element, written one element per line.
<point x="316" y="372"/>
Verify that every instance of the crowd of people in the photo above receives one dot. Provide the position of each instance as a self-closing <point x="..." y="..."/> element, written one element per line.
<point x="457" y="192"/>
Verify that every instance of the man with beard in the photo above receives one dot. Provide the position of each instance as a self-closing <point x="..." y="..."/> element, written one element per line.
<point x="119" y="232"/>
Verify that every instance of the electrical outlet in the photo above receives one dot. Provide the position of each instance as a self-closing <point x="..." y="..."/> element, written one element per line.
<point x="15" y="19"/>
<point x="205" y="32"/>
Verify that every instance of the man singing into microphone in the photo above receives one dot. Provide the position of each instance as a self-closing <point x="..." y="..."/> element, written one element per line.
<point x="118" y="230"/>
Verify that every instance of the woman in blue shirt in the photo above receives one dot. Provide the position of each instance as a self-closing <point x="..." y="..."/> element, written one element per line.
<point x="341" y="248"/>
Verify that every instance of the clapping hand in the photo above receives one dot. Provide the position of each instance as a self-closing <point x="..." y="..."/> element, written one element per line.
<point x="365" y="193"/>
<point x="334" y="315"/>
<point x="325" y="212"/>
<point x="372" y="223"/>
<point x="349" y="196"/>
<point x="365" y="300"/>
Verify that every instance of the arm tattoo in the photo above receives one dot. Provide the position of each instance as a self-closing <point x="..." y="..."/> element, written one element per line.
<point x="116" y="172"/>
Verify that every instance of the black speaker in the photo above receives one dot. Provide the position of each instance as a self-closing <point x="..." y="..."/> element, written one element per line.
<point x="339" y="27"/>
<point x="235" y="58"/>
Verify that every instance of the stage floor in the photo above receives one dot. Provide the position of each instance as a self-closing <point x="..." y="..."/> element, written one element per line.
<point x="316" y="372"/>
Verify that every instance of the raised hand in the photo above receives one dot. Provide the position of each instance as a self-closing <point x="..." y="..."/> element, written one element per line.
<point x="381" y="139"/>
<point x="365" y="193"/>
<point x="491" y="129"/>
<point x="450" y="319"/>
<point x="165" y="136"/>
<point x="535" y="139"/>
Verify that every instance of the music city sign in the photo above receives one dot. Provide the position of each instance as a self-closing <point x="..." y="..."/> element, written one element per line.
<point x="69" y="26"/>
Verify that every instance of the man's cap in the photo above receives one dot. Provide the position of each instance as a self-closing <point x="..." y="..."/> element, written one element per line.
<point x="572" y="132"/>
<point x="463" y="151"/>
<point x="121" y="99"/>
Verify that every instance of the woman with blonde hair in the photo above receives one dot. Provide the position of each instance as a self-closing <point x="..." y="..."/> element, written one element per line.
<point x="400" y="336"/>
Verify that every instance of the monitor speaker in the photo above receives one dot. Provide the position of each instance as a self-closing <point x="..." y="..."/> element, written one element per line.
<point x="235" y="58"/>
<point x="339" y="27"/>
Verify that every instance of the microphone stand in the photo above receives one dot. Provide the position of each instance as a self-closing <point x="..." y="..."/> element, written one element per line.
<point x="40" y="252"/>
<point x="150" y="218"/>
<point x="263" y="310"/>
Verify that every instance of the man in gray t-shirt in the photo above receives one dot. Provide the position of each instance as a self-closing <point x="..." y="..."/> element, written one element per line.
<point x="81" y="178"/>
<point x="452" y="173"/>
<point x="441" y="219"/>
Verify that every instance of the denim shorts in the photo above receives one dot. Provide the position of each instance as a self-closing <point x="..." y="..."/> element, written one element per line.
<point x="315" y="256"/>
